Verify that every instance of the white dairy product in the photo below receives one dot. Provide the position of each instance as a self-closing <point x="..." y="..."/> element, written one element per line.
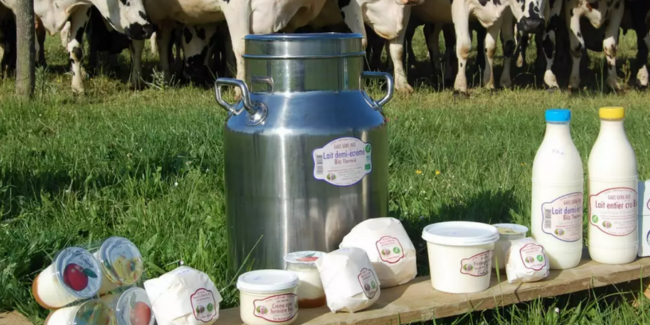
<point x="613" y="197"/>
<point x="644" y="218"/>
<point x="130" y="307"/>
<point x="508" y="232"/>
<point x="93" y="312"/>
<point x="121" y="264"/>
<point x="268" y="297"/>
<point x="389" y="248"/>
<point x="460" y="255"/>
<point x="350" y="281"/>
<point x="73" y="275"/>
<point x="527" y="261"/>
<point x="311" y="293"/>
<point x="184" y="296"/>
<point x="557" y="196"/>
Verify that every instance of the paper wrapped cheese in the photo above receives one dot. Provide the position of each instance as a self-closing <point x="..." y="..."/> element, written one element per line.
<point x="389" y="248"/>
<point x="350" y="281"/>
<point x="527" y="261"/>
<point x="184" y="296"/>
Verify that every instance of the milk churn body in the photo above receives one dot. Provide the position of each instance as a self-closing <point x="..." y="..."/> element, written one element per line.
<point x="301" y="93"/>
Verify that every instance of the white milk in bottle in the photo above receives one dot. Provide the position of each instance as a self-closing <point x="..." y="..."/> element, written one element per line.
<point x="556" y="219"/>
<point x="613" y="237"/>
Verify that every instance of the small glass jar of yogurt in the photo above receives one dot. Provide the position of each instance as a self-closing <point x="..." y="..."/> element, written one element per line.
<point x="268" y="297"/>
<point x="74" y="275"/>
<point x="310" y="290"/>
<point x="93" y="312"/>
<point x="121" y="264"/>
<point x="130" y="307"/>
<point x="508" y="233"/>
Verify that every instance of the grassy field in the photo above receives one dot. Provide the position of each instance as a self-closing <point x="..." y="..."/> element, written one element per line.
<point x="147" y="165"/>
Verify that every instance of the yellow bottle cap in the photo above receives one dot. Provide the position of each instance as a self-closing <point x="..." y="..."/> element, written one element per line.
<point x="612" y="113"/>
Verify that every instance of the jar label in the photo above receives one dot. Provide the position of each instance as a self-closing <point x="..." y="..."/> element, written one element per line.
<point x="390" y="249"/>
<point x="277" y="309"/>
<point x="134" y="308"/>
<point x="343" y="162"/>
<point x="203" y="305"/>
<point x="477" y="265"/>
<point x="562" y="217"/>
<point x="614" y="211"/>
<point x="79" y="272"/>
<point x="532" y="256"/>
<point x="368" y="282"/>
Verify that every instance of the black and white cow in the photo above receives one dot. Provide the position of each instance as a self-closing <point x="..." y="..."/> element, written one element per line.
<point x="639" y="11"/>
<point x="8" y="40"/>
<point x="103" y="39"/>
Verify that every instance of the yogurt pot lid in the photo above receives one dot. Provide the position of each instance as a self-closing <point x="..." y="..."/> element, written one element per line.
<point x="267" y="281"/>
<point x="133" y="308"/>
<point x="78" y="272"/>
<point x="121" y="261"/>
<point x="518" y="229"/>
<point x="93" y="312"/>
<point x="303" y="257"/>
<point x="460" y="233"/>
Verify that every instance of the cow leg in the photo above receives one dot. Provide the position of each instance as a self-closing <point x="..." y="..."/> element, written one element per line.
<point x="508" y="41"/>
<point x="135" y="77"/>
<point x="548" y="45"/>
<point x="450" y="59"/>
<point x="609" y="46"/>
<point x="78" y="21"/>
<point x="408" y="42"/>
<point x="354" y="20"/>
<point x="432" y="37"/>
<point x="40" y="43"/>
<point x="643" y="42"/>
<point x="577" y="45"/>
<point x="163" y="37"/>
<point x="460" y="16"/>
<point x="490" y="49"/>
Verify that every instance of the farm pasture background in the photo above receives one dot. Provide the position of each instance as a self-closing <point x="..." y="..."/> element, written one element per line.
<point x="148" y="165"/>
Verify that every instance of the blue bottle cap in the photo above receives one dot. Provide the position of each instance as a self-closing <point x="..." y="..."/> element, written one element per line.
<point x="558" y="115"/>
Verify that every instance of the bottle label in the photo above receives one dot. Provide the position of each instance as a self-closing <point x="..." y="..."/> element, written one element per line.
<point x="532" y="257"/>
<point x="79" y="272"/>
<point x="614" y="211"/>
<point x="368" y="282"/>
<point x="203" y="305"/>
<point x="477" y="265"/>
<point x="390" y="249"/>
<point x="343" y="162"/>
<point x="562" y="217"/>
<point x="277" y="309"/>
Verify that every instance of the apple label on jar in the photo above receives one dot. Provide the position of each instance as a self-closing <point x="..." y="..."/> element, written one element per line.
<point x="390" y="249"/>
<point x="368" y="282"/>
<point x="562" y="217"/>
<point x="79" y="272"/>
<point x="122" y="261"/>
<point x="277" y="309"/>
<point x="477" y="265"/>
<point x="532" y="256"/>
<point x="135" y="308"/>
<point x="343" y="162"/>
<point x="203" y="305"/>
<point x="614" y="211"/>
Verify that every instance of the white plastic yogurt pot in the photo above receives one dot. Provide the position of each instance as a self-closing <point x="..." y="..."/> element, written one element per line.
<point x="460" y="255"/>
<point x="73" y="275"/>
<point x="130" y="307"/>
<point x="268" y="297"/>
<point x="310" y="290"/>
<point x="508" y="233"/>
<point x="93" y="312"/>
<point x="121" y="263"/>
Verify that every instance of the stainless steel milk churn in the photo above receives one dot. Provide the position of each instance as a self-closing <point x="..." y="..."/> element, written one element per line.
<point x="306" y="148"/>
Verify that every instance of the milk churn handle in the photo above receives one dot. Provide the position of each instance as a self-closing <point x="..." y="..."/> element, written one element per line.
<point x="246" y="98"/>
<point x="389" y="85"/>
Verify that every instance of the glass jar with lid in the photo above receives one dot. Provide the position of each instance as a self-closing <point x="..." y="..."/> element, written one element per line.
<point x="310" y="290"/>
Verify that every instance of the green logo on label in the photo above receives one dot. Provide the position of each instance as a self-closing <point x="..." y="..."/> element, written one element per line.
<point x="540" y="258"/>
<point x="367" y="148"/>
<point x="367" y="166"/>
<point x="594" y="218"/>
<point x="396" y="250"/>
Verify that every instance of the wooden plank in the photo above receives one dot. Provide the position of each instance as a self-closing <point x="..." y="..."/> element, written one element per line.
<point x="418" y="301"/>
<point x="13" y="318"/>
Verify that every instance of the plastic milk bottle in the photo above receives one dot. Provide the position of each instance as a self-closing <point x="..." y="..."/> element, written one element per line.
<point x="557" y="203"/>
<point x="613" y="237"/>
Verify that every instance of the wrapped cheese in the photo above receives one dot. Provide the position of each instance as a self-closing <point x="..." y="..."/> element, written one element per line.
<point x="389" y="248"/>
<point x="350" y="281"/>
<point x="184" y="296"/>
<point x="527" y="261"/>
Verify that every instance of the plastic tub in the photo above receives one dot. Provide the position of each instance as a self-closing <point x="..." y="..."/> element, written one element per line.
<point x="310" y="290"/>
<point x="121" y="264"/>
<point x="460" y="255"/>
<point x="73" y="275"/>
<point x="93" y="312"/>
<point x="131" y="307"/>
<point x="508" y="233"/>
<point x="268" y="297"/>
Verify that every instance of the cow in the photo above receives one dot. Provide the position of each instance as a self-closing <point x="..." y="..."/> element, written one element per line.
<point x="102" y="38"/>
<point x="8" y="41"/>
<point x="125" y="16"/>
<point x="639" y="12"/>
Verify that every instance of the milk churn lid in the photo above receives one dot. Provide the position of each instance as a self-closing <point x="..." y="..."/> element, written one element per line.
<point x="303" y="46"/>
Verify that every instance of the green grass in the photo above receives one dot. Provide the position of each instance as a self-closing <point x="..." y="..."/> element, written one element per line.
<point x="148" y="166"/>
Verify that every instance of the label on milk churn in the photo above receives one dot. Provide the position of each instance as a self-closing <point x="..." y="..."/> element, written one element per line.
<point x="614" y="211"/>
<point x="343" y="162"/>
